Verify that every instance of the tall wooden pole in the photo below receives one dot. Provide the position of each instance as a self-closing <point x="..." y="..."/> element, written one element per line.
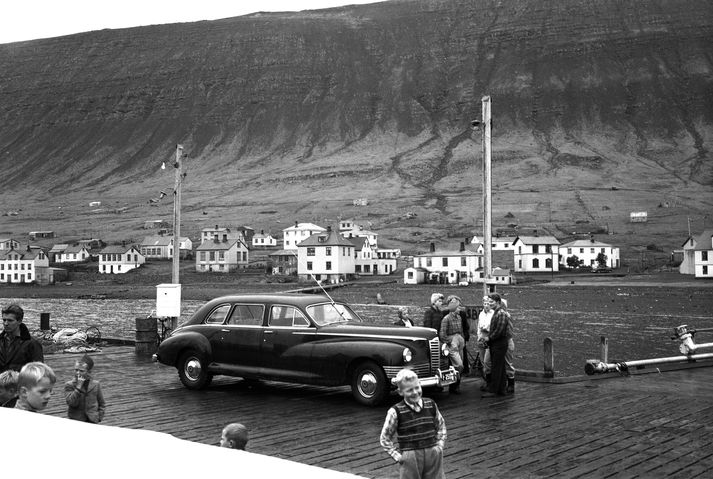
<point x="178" y="165"/>
<point x="487" y="198"/>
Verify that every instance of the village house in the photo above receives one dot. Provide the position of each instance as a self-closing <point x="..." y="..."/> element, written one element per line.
<point x="72" y="254"/>
<point x="447" y="266"/>
<point x="119" y="259"/>
<point x="41" y="234"/>
<point x="693" y="245"/>
<point x="499" y="243"/>
<point x="8" y="244"/>
<point x="262" y="240"/>
<point x="21" y="265"/>
<point x="56" y="251"/>
<point x="221" y="255"/>
<point x="357" y="231"/>
<point x="284" y="262"/>
<point x="161" y="247"/>
<point x="536" y="254"/>
<point x="325" y="256"/>
<point x="588" y="251"/>
<point x="700" y="254"/>
<point x="293" y="235"/>
<point x="502" y="276"/>
<point x="220" y="233"/>
<point x="369" y="260"/>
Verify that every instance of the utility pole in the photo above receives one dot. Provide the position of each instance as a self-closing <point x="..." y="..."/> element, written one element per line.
<point x="178" y="165"/>
<point x="487" y="198"/>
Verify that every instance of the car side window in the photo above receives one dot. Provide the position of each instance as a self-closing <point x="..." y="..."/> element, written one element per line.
<point x="287" y="316"/>
<point x="247" y="315"/>
<point x="218" y="315"/>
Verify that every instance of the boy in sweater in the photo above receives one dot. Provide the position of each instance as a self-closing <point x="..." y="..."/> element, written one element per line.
<point x="418" y="426"/>
<point x="85" y="401"/>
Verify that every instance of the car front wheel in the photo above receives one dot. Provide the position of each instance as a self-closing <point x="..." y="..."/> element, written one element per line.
<point x="192" y="370"/>
<point x="369" y="384"/>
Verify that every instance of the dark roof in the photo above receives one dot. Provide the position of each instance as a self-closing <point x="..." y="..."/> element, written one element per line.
<point x="332" y="238"/>
<point x="217" y="246"/>
<point x="116" y="249"/>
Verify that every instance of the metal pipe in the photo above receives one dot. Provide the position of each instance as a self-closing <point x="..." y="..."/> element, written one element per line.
<point x="595" y="366"/>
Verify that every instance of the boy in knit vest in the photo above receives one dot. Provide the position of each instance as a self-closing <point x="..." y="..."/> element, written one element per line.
<point x="419" y="428"/>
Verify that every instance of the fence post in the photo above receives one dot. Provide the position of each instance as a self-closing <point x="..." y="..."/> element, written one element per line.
<point x="604" y="355"/>
<point x="549" y="358"/>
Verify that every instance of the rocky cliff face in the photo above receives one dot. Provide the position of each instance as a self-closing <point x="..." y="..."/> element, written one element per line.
<point x="592" y="93"/>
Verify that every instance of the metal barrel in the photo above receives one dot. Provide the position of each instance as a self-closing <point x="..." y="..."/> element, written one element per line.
<point x="146" y="335"/>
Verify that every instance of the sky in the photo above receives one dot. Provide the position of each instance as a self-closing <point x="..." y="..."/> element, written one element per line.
<point x="32" y="19"/>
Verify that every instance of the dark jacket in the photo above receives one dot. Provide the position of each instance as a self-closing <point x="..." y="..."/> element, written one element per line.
<point x="21" y="351"/>
<point x="432" y="318"/>
<point x="86" y="404"/>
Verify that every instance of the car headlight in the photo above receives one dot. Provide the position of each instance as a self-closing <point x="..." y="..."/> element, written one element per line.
<point x="408" y="356"/>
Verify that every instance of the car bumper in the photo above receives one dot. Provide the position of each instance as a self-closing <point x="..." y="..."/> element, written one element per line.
<point x="441" y="378"/>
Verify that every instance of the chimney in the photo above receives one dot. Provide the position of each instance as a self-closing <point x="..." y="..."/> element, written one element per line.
<point x="534" y="232"/>
<point x="591" y="238"/>
<point x="216" y="226"/>
<point x="432" y="249"/>
<point x="329" y="228"/>
<point x="262" y="232"/>
<point x="28" y="248"/>
<point x="467" y="240"/>
<point x="462" y="247"/>
<point x="296" y="224"/>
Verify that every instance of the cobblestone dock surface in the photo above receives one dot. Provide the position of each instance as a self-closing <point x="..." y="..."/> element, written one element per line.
<point x="652" y="425"/>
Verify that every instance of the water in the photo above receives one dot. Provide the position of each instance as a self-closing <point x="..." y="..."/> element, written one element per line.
<point x="575" y="334"/>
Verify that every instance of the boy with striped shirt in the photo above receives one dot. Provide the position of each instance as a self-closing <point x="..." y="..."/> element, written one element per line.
<point x="420" y="429"/>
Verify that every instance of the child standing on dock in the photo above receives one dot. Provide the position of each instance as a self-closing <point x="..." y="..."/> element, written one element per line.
<point x="418" y="426"/>
<point x="34" y="386"/>
<point x="83" y="394"/>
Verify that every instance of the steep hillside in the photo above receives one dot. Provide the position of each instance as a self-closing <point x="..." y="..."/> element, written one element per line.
<point x="600" y="107"/>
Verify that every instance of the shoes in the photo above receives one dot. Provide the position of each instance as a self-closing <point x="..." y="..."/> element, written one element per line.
<point x="511" y="386"/>
<point x="486" y="384"/>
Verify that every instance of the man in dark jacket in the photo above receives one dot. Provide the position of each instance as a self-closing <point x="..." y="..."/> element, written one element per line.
<point x="17" y="347"/>
<point x="434" y="314"/>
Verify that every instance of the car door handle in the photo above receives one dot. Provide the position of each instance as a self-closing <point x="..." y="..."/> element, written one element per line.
<point x="269" y="331"/>
<point x="224" y="330"/>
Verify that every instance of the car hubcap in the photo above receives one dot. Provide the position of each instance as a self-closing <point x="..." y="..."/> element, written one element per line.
<point x="193" y="369"/>
<point x="367" y="384"/>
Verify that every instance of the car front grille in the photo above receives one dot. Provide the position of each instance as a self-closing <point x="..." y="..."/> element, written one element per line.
<point x="435" y="345"/>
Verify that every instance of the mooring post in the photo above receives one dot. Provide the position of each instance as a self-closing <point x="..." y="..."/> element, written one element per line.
<point x="604" y="345"/>
<point x="549" y="358"/>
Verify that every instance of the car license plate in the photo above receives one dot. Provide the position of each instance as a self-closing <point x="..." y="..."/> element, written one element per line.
<point x="447" y="377"/>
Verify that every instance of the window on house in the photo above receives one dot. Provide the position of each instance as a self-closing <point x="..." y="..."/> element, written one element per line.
<point x="602" y="250"/>
<point x="519" y="250"/>
<point x="535" y="248"/>
<point x="310" y="251"/>
<point x="357" y="268"/>
<point x="705" y="270"/>
<point x="535" y="263"/>
<point x="463" y="261"/>
<point x="328" y="251"/>
<point x="309" y="266"/>
<point x="328" y="266"/>
<point x="221" y="255"/>
<point x="581" y="250"/>
<point x="548" y="263"/>
<point x="569" y="250"/>
<point x="704" y="255"/>
<point x="548" y="249"/>
<point x="428" y="262"/>
<point x="211" y="256"/>
<point x="591" y="250"/>
<point x="410" y="275"/>
<point x="367" y="268"/>
<point x="245" y="256"/>
<point x="445" y="262"/>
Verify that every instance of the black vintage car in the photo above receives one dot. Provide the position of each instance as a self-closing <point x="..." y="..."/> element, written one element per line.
<point x="300" y="338"/>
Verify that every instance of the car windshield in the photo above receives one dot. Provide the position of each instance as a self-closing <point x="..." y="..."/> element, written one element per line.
<point x="328" y="313"/>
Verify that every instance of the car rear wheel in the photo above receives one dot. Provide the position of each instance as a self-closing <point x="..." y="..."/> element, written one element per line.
<point x="192" y="370"/>
<point x="369" y="384"/>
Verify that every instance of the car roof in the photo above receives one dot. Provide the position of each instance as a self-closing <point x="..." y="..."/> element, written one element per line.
<point x="289" y="298"/>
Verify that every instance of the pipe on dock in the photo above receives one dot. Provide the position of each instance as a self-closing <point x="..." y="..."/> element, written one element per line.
<point x="594" y="366"/>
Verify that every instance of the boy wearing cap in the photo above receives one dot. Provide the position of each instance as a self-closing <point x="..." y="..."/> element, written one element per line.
<point x="418" y="426"/>
<point x="83" y="394"/>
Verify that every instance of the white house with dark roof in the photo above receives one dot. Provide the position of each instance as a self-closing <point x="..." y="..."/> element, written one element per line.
<point x="703" y="255"/>
<point x="293" y="235"/>
<point x="119" y="259"/>
<point x="450" y="266"/>
<point x="499" y="243"/>
<point x="21" y="265"/>
<point x="327" y="256"/>
<point x="222" y="256"/>
<point x="264" y="240"/>
<point x="56" y="251"/>
<point x="358" y="231"/>
<point x="72" y="254"/>
<point x="588" y="250"/>
<point x="536" y="254"/>
<point x="693" y="255"/>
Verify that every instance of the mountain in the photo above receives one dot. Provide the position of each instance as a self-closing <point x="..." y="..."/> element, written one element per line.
<point x="600" y="107"/>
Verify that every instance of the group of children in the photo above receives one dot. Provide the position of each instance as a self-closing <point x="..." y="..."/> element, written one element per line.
<point x="31" y="389"/>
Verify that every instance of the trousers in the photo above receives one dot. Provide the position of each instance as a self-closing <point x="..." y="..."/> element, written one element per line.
<point x="422" y="464"/>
